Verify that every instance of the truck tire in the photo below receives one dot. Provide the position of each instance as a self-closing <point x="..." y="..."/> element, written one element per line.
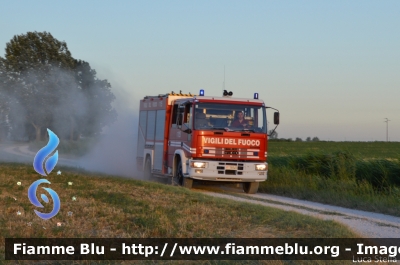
<point x="184" y="182"/>
<point x="251" y="187"/>
<point x="147" y="170"/>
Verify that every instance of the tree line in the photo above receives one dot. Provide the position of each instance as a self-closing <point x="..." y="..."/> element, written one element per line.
<point x="42" y="86"/>
<point x="273" y="135"/>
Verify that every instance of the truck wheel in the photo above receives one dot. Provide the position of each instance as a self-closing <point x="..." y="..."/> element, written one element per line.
<point x="182" y="181"/>
<point x="147" y="170"/>
<point x="179" y="173"/>
<point x="251" y="187"/>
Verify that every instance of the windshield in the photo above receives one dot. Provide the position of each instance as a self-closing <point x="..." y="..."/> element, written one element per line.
<point x="230" y="117"/>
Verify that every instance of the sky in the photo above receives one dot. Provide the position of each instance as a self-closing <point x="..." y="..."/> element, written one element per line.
<point x="330" y="67"/>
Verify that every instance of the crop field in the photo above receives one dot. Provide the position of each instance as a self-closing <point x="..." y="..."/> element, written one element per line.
<point x="362" y="150"/>
<point x="360" y="175"/>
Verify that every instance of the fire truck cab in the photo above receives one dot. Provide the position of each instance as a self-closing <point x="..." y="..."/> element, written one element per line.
<point x="197" y="137"/>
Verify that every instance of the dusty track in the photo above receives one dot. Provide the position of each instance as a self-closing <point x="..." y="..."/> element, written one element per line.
<point x="366" y="224"/>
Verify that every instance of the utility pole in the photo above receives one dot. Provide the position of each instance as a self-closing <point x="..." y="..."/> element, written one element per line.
<point x="387" y="129"/>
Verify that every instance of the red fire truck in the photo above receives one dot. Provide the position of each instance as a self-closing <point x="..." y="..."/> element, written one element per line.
<point x="197" y="137"/>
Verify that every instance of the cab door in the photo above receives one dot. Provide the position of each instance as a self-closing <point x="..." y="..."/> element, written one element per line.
<point x="181" y="130"/>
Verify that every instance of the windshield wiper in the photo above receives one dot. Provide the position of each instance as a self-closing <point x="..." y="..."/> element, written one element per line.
<point x="239" y="130"/>
<point x="232" y="130"/>
<point x="244" y="130"/>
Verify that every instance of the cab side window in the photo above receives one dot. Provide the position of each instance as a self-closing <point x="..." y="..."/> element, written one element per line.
<point x="179" y="116"/>
<point x="174" y="116"/>
<point x="188" y="116"/>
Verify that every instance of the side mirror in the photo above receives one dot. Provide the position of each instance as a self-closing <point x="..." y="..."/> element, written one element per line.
<point x="276" y="118"/>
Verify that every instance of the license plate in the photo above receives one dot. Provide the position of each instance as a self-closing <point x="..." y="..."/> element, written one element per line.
<point x="229" y="167"/>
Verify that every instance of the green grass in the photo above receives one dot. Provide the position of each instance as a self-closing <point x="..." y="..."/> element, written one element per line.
<point x="345" y="192"/>
<point x="108" y="206"/>
<point x="363" y="176"/>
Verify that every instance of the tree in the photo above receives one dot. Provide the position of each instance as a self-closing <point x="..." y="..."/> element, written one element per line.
<point x="49" y="88"/>
<point x="308" y="139"/>
<point x="298" y="139"/>
<point x="3" y="98"/>
<point x="315" y="139"/>
<point x="31" y="62"/>
<point x="4" y="104"/>
<point x="99" y="112"/>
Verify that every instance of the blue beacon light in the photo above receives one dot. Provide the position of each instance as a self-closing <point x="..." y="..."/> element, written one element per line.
<point x="255" y="95"/>
<point x="201" y="92"/>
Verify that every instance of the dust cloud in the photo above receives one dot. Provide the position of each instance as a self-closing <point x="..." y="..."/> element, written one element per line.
<point x="115" y="152"/>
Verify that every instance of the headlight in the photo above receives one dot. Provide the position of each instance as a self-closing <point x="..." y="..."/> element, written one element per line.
<point x="261" y="167"/>
<point x="198" y="164"/>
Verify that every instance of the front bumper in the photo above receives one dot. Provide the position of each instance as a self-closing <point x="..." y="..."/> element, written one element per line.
<point x="229" y="171"/>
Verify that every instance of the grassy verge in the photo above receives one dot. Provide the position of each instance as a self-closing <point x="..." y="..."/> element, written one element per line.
<point x="347" y="193"/>
<point x="362" y="180"/>
<point x="108" y="206"/>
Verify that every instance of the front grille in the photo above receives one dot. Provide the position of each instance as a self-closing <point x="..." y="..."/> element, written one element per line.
<point x="227" y="152"/>
<point x="231" y="151"/>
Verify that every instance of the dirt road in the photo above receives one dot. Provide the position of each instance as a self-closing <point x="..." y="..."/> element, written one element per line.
<point x="366" y="224"/>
